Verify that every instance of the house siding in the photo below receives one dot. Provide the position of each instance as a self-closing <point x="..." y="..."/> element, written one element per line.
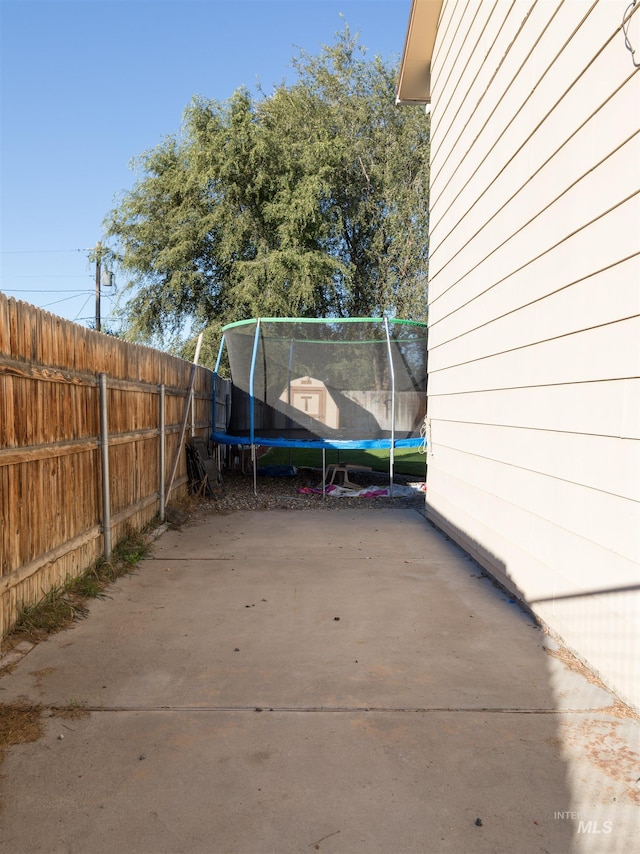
<point x="534" y="312"/>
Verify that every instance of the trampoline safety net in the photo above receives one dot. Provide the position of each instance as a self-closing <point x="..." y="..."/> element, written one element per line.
<point x="356" y="382"/>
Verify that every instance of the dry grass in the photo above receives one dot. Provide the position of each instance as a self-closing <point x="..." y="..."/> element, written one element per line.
<point x="618" y="709"/>
<point x="63" y="605"/>
<point x="19" y="724"/>
<point x="75" y="711"/>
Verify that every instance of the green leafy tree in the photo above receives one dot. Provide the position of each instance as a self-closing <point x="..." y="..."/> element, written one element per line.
<point x="312" y="201"/>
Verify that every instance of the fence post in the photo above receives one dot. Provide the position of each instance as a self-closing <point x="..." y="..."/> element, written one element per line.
<point x="104" y="457"/>
<point x="162" y="430"/>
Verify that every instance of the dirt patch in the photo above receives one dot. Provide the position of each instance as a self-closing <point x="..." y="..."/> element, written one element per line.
<point x="46" y="671"/>
<point x="22" y="723"/>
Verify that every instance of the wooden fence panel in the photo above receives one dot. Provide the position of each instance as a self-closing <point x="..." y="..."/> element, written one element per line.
<point x="51" y="508"/>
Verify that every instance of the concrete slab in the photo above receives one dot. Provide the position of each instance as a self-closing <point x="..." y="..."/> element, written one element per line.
<point x="401" y="697"/>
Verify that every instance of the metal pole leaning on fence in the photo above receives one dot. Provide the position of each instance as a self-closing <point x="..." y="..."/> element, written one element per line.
<point x="214" y="396"/>
<point x="161" y="439"/>
<point x="104" y="458"/>
<point x="214" y="404"/>
<point x="185" y="415"/>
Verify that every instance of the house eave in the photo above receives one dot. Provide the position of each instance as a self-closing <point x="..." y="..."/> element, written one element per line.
<point x="414" y="81"/>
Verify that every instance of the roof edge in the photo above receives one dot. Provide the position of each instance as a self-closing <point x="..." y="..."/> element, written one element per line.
<point x="414" y="80"/>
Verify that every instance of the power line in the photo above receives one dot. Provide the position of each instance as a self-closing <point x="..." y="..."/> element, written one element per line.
<point x="45" y="290"/>
<point x="40" y="251"/>
<point x="66" y="299"/>
<point x="82" y="309"/>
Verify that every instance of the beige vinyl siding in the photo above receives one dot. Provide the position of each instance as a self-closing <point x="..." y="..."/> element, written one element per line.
<point x="594" y="408"/>
<point x="534" y="310"/>
<point x="550" y="475"/>
<point x="537" y="554"/>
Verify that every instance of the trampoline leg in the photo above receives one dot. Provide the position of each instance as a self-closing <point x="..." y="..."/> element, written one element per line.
<point x="391" y="472"/>
<point x="255" y="470"/>
<point x="324" y="473"/>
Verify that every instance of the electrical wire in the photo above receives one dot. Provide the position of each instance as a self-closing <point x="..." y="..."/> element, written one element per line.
<point x="75" y="319"/>
<point x="46" y="275"/>
<point x="64" y="299"/>
<point x="46" y="290"/>
<point x="625" y="29"/>
<point x="38" y="251"/>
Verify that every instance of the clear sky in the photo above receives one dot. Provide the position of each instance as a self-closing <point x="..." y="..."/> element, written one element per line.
<point x="85" y="86"/>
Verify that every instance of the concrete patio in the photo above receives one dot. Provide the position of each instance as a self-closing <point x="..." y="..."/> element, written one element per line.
<point x="346" y="681"/>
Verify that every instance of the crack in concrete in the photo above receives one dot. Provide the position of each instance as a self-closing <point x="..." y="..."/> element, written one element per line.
<point x="350" y="709"/>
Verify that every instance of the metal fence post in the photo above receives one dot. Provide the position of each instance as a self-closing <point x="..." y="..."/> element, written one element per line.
<point x="104" y="458"/>
<point x="161" y="439"/>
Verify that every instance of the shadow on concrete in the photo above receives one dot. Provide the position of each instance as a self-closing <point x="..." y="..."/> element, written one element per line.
<point x="598" y="736"/>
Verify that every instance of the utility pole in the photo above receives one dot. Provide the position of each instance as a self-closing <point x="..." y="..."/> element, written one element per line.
<point x="98" y="278"/>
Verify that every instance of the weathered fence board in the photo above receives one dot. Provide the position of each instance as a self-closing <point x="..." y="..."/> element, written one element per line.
<point x="51" y="497"/>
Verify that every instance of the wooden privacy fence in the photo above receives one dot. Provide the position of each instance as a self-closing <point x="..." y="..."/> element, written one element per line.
<point x="89" y="430"/>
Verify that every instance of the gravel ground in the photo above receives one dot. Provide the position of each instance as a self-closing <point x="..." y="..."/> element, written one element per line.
<point x="281" y="493"/>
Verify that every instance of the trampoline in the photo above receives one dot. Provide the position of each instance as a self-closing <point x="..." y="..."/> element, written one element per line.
<point x="341" y="383"/>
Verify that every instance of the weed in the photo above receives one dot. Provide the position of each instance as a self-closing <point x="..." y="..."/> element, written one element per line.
<point x="89" y="585"/>
<point x="131" y="551"/>
<point x="64" y="604"/>
<point x="73" y="711"/>
<point x="57" y="609"/>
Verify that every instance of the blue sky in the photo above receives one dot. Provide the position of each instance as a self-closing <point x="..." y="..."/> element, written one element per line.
<point x="86" y="86"/>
